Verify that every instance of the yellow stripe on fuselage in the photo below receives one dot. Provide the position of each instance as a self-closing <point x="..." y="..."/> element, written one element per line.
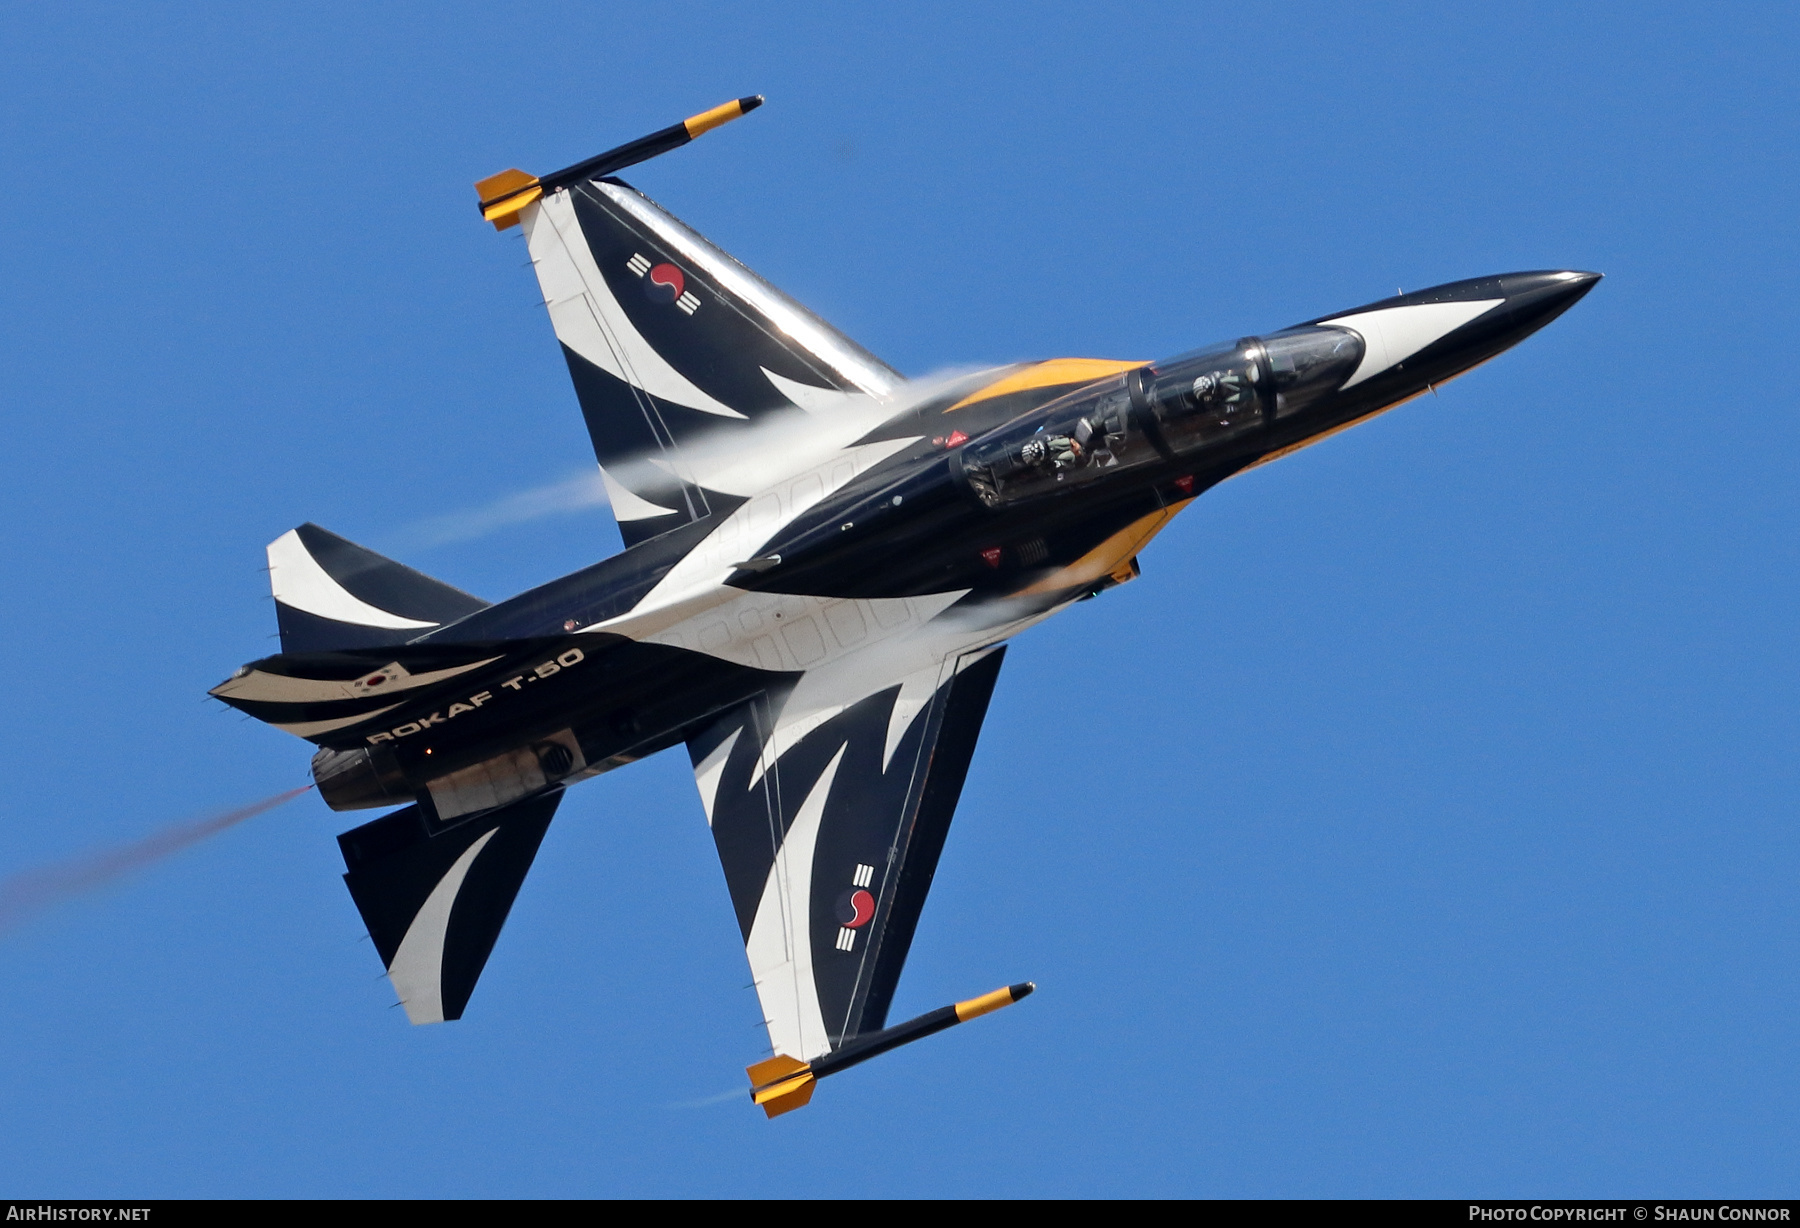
<point x="1048" y="374"/>
<point x="1111" y="557"/>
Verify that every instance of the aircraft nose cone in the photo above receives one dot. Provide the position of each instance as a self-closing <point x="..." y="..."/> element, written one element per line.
<point x="1414" y="340"/>
<point x="1535" y="299"/>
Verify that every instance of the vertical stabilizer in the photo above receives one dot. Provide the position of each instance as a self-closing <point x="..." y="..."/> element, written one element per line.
<point x="333" y="594"/>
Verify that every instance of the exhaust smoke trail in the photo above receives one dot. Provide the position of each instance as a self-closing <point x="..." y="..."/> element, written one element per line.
<point x="25" y="895"/>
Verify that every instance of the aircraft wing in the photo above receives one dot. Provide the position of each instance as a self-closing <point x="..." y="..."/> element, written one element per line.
<point x="829" y="821"/>
<point x="679" y="354"/>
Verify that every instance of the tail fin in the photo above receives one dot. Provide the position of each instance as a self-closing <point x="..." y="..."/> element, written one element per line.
<point x="332" y="594"/>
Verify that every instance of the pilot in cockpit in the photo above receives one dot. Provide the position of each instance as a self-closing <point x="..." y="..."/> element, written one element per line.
<point x="1086" y="444"/>
<point x="1091" y="437"/>
<point x="1051" y="451"/>
<point x="1220" y="394"/>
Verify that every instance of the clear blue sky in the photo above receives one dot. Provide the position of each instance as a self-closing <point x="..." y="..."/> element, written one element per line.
<point x="1422" y="823"/>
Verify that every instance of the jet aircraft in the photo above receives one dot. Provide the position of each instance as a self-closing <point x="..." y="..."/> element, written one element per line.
<point x="824" y="565"/>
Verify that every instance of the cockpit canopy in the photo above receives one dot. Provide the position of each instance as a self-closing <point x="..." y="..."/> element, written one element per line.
<point x="1209" y="395"/>
<point x="1165" y="411"/>
<point x="1070" y="442"/>
<point x="1215" y="394"/>
<point x="1310" y="364"/>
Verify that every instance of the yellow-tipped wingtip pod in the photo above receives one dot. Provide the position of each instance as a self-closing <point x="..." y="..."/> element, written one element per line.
<point x="988" y="1003"/>
<point x="706" y="121"/>
<point x="781" y="1084"/>
<point x="504" y="197"/>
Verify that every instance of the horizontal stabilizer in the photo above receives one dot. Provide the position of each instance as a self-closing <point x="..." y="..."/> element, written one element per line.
<point x="324" y="696"/>
<point x="435" y="898"/>
<point x="333" y="594"/>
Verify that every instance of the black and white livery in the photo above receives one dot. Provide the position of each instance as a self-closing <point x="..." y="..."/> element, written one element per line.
<point x="824" y="564"/>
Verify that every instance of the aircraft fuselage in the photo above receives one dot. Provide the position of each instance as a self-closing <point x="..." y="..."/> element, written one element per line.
<point x="1012" y="514"/>
<point x="824" y="564"/>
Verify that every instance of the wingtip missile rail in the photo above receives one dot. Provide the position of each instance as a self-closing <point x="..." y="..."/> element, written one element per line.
<point x="782" y="1084"/>
<point x="504" y="196"/>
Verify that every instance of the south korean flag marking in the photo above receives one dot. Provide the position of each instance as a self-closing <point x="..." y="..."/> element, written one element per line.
<point x="382" y="679"/>
<point x="666" y="283"/>
<point x="855" y="907"/>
